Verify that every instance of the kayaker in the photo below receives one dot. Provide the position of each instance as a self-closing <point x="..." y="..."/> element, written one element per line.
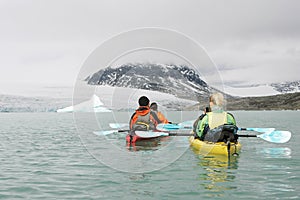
<point x="142" y="119"/>
<point x="206" y="110"/>
<point x="159" y="117"/>
<point x="216" y="125"/>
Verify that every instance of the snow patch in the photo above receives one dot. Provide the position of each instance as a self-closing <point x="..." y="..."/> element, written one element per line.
<point x="260" y="90"/>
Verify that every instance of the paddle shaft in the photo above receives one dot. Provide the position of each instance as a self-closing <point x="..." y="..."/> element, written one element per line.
<point x="247" y="135"/>
<point x="184" y="134"/>
<point x="120" y="131"/>
<point x="179" y="134"/>
<point x="274" y="136"/>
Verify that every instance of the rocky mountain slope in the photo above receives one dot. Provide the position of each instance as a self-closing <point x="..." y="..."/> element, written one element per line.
<point x="290" y="101"/>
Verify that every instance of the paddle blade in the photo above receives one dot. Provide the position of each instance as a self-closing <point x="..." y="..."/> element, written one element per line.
<point x="166" y="127"/>
<point x="186" y="125"/>
<point x="118" y="125"/>
<point x="276" y="136"/>
<point x="106" y="132"/>
<point x="150" y="134"/>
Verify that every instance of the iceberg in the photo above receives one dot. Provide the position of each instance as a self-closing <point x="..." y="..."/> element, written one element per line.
<point x="92" y="105"/>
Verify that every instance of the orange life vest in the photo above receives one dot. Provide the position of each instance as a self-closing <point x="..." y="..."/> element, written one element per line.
<point x="142" y="119"/>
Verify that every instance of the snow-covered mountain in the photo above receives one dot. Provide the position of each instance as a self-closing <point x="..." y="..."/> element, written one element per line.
<point x="179" y="80"/>
<point x="287" y="87"/>
<point x="263" y="89"/>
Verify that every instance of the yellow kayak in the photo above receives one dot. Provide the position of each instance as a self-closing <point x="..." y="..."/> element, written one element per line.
<point x="209" y="148"/>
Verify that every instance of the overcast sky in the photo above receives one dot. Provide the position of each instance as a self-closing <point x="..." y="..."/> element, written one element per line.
<point x="45" y="42"/>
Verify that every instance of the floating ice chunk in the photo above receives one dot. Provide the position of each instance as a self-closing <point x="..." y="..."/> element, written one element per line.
<point x="92" y="105"/>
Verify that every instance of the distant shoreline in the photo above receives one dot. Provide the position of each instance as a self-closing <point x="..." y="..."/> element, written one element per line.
<point x="280" y="102"/>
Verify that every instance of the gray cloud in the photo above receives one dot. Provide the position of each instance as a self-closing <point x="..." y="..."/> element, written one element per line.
<point x="243" y="37"/>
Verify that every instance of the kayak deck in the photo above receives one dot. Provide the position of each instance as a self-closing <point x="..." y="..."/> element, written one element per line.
<point x="219" y="148"/>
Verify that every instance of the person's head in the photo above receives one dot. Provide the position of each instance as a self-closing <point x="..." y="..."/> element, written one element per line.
<point x="153" y="106"/>
<point x="216" y="99"/>
<point x="144" y="101"/>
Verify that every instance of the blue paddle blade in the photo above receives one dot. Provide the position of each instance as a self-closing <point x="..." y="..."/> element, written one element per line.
<point x="118" y="125"/>
<point x="187" y="124"/>
<point x="163" y="127"/>
<point x="105" y="132"/>
<point x="276" y="136"/>
<point x="169" y="127"/>
<point x="261" y="130"/>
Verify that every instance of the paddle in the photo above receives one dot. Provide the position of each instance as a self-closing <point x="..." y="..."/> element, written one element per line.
<point x="159" y="132"/>
<point x="188" y="125"/>
<point x="274" y="136"/>
<point x="171" y="127"/>
<point x="259" y="130"/>
<point x="119" y="125"/>
<point x="152" y="134"/>
<point x="185" y="124"/>
<point x="269" y="134"/>
<point x="107" y="132"/>
<point x="115" y="125"/>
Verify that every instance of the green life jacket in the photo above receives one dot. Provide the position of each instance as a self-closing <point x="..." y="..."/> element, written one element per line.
<point x="212" y="120"/>
<point x="216" y="119"/>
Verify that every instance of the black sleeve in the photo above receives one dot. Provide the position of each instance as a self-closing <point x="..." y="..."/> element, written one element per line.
<point x="201" y="116"/>
<point x="231" y="116"/>
<point x="197" y="121"/>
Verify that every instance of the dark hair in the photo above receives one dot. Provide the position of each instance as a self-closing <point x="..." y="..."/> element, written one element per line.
<point x="143" y="101"/>
<point x="207" y="109"/>
<point x="153" y="106"/>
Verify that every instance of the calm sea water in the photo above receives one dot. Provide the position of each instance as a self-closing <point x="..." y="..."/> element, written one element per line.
<point x="49" y="156"/>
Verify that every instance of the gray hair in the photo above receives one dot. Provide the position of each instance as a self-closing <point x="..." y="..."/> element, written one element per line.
<point x="217" y="99"/>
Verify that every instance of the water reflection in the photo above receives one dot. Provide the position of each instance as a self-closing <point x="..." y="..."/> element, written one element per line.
<point x="279" y="152"/>
<point x="148" y="144"/>
<point x="144" y="145"/>
<point x="151" y="144"/>
<point x="219" y="171"/>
